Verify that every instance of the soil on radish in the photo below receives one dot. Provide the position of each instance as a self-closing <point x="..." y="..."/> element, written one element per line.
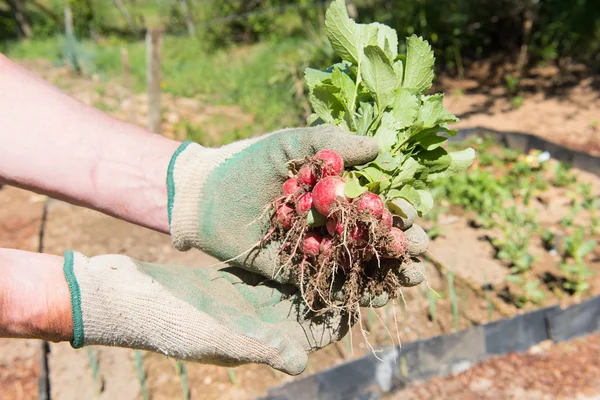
<point x="357" y="258"/>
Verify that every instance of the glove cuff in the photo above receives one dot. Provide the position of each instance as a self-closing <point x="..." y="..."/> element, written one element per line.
<point x="74" y="289"/>
<point x="189" y="167"/>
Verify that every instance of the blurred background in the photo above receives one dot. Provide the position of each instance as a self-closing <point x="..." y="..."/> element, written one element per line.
<point x="517" y="232"/>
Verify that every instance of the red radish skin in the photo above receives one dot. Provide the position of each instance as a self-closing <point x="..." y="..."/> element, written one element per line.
<point x="285" y="216"/>
<point x="326" y="191"/>
<point x="358" y="236"/>
<point x="333" y="227"/>
<point x="332" y="162"/>
<point x="291" y="186"/>
<point x="311" y="244"/>
<point x="371" y="202"/>
<point x="387" y="219"/>
<point x="304" y="203"/>
<point x="306" y="175"/>
<point x="397" y="244"/>
<point x="326" y="247"/>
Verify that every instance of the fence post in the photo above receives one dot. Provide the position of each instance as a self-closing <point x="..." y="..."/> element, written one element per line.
<point x="128" y="84"/>
<point x="153" y="77"/>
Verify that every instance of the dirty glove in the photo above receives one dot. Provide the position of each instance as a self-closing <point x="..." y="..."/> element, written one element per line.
<point x="216" y="196"/>
<point x="225" y="316"/>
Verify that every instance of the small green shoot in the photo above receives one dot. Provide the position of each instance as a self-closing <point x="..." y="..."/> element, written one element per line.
<point x="453" y="300"/>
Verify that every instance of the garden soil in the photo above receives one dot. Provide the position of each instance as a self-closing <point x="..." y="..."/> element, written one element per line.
<point x="566" y="117"/>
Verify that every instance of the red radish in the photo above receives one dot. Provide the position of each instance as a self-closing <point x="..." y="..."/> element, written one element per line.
<point x="326" y="191"/>
<point x="311" y="244"/>
<point x="371" y="202"/>
<point x="387" y="219"/>
<point x="326" y="247"/>
<point x="332" y="162"/>
<point x="397" y="243"/>
<point x="304" y="203"/>
<point x="285" y="216"/>
<point x="290" y="186"/>
<point x="359" y="236"/>
<point x="306" y="175"/>
<point x="333" y="227"/>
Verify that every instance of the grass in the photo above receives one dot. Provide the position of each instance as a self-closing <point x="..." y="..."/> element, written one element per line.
<point x="139" y="367"/>
<point x="238" y="75"/>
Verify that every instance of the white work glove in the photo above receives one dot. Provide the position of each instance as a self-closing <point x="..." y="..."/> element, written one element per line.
<point x="225" y="316"/>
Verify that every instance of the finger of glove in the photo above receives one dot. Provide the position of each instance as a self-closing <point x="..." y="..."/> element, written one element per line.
<point x="410" y="213"/>
<point x="354" y="149"/>
<point x="412" y="273"/>
<point x="417" y="239"/>
<point x="313" y="332"/>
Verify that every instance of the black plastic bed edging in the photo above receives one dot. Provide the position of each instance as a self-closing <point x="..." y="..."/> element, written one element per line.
<point x="525" y="142"/>
<point x="367" y="377"/>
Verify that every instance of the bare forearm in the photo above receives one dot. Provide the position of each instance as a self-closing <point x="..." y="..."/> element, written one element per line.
<point x="53" y="144"/>
<point x="34" y="297"/>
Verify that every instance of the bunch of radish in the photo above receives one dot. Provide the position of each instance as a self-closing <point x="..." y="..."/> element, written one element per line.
<point x="329" y="235"/>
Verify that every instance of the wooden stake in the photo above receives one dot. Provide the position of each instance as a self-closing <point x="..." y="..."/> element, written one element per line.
<point x="128" y="84"/>
<point x="153" y="77"/>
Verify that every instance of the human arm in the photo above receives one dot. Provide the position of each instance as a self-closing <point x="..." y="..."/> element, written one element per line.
<point x="34" y="297"/>
<point x="52" y="144"/>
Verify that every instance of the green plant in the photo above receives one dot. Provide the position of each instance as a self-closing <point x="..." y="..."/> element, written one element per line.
<point x="517" y="101"/>
<point x="453" y="299"/>
<point x="95" y="367"/>
<point x="529" y="290"/>
<point x="432" y="299"/>
<point x="141" y="374"/>
<point x="562" y="175"/>
<point x="589" y="201"/>
<point x="377" y="91"/>
<point x="232" y="376"/>
<point x="573" y="265"/>
<point x="181" y="369"/>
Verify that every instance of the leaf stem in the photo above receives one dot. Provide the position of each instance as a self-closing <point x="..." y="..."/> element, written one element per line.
<point x="355" y="94"/>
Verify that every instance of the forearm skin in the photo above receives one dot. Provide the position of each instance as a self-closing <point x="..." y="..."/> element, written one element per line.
<point x="55" y="145"/>
<point x="35" y="301"/>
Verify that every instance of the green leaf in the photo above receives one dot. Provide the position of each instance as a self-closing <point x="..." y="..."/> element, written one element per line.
<point x="407" y="172"/>
<point x="315" y="218"/>
<point x="585" y="248"/>
<point x="459" y="162"/>
<point x="324" y="102"/>
<point x="386" y="161"/>
<point x="353" y="189"/>
<point x="514" y="279"/>
<point x="432" y="142"/>
<point x="379" y="76"/>
<point x="419" y="64"/>
<point x="433" y="113"/>
<point x="346" y="86"/>
<point x="347" y="38"/>
<point x="408" y="193"/>
<point x="374" y="174"/>
<point x="398" y="71"/>
<point x="365" y="118"/>
<point x="426" y="203"/>
<point x="387" y="39"/>
<point x="315" y="76"/>
<point x="386" y="135"/>
<point x="434" y="160"/>
<point x="405" y="108"/>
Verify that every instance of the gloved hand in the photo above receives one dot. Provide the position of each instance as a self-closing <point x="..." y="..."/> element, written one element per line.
<point x="216" y="196"/>
<point x="225" y="316"/>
